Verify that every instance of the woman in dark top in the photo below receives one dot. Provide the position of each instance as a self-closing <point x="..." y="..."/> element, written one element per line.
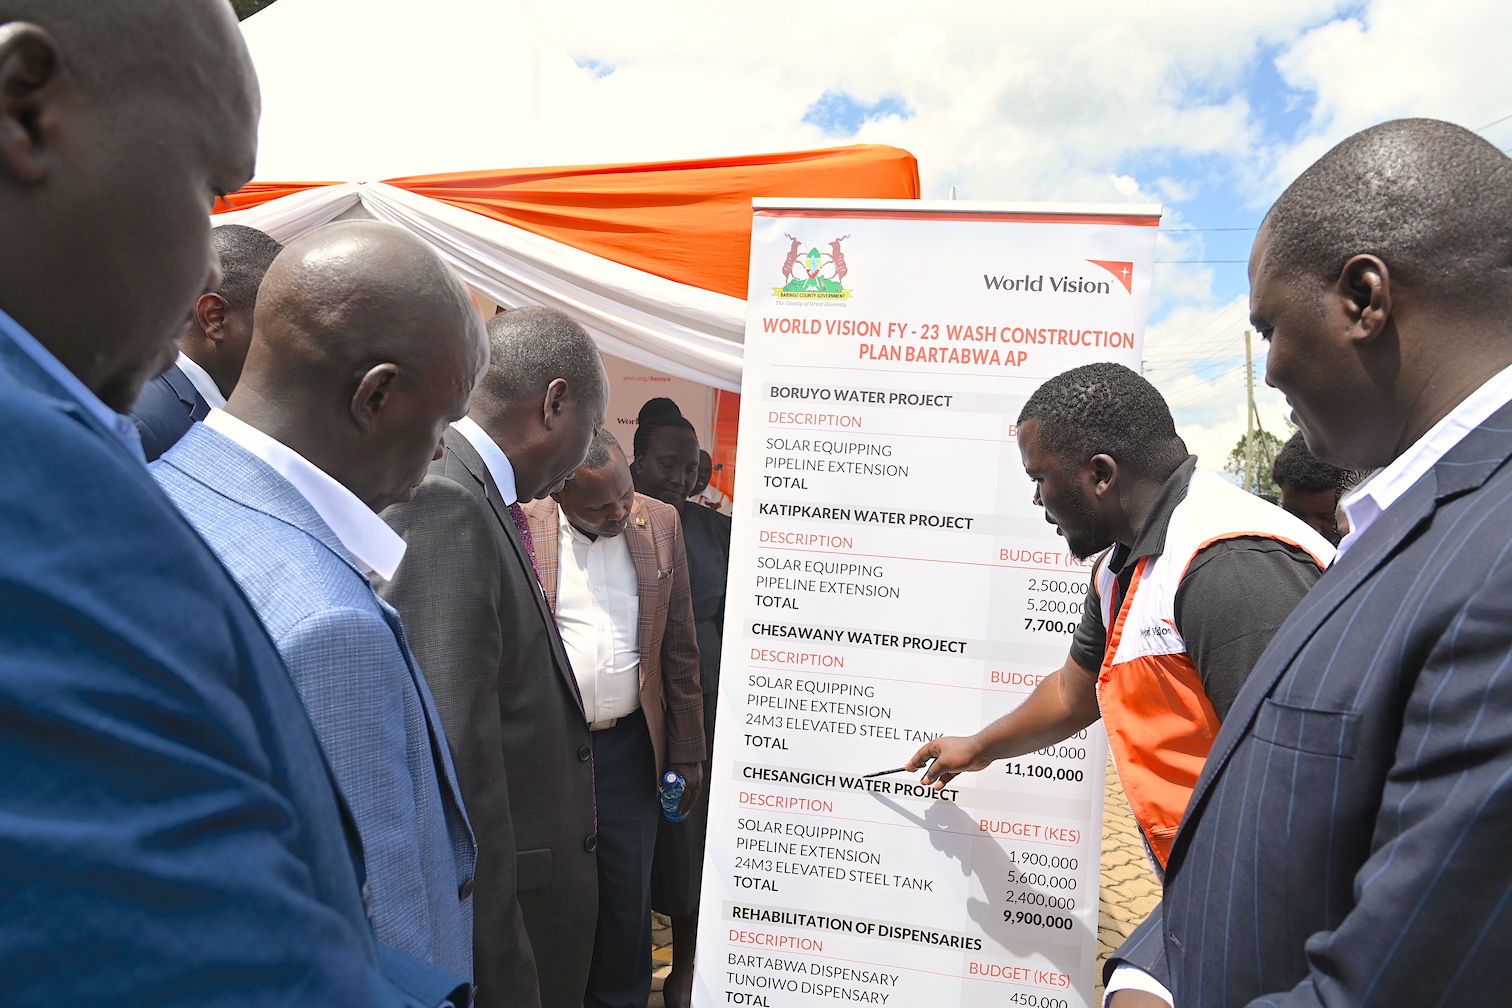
<point x="666" y="467"/>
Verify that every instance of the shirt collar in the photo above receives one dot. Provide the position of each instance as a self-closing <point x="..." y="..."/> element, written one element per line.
<point x="1366" y="502"/>
<point x="493" y="457"/>
<point x="376" y="547"/>
<point x="1151" y="540"/>
<point x="569" y="530"/>
<point x="118" y="424"/>
<point x="203" y="383"/>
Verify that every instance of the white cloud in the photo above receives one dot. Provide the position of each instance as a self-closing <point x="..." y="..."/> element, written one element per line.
<point x="1021" y="101"/>
<point x="1010" y="101"/>
<point x="1399" y="58"/>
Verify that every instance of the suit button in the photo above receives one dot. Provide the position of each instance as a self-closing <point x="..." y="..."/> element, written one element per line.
<point x="591" y="843"/>
<point x="465" y="890"/>
<point x="583" y="753"/>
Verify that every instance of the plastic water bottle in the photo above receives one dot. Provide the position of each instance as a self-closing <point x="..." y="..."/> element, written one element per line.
<point x="672" y="785"/>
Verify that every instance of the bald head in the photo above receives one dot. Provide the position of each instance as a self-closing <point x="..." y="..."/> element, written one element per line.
<point x="1382" y="280"/>
<point x="353" y="293"/>
<point x="365" y="346"/>
<point x="123" y="120"/>
<point x="1431" y="199"/>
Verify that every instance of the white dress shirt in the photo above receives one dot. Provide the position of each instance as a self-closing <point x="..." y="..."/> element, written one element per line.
<point x="498" y="463"/>
<point x="598" y="613"/>
<point x="376" y="547"/>
<point x="1365" y="503"/>
<point x="203" y="383"/>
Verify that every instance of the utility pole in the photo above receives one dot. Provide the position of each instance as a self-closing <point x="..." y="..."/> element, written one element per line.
<point x="1249" y="414"/>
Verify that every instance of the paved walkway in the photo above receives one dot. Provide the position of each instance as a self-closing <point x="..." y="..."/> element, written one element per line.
<point x="1129" y="889"/>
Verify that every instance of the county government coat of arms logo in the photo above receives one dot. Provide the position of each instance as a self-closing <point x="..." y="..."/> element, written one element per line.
<point x="813" y="275"/>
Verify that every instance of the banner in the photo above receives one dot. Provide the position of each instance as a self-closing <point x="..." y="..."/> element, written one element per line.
<point x="891" y="581"/>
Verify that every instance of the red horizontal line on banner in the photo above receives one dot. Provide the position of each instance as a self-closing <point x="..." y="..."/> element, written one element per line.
<point x="1123" y="220"/>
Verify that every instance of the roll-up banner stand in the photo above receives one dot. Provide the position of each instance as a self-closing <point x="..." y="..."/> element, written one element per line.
<point x="891" y="581"/>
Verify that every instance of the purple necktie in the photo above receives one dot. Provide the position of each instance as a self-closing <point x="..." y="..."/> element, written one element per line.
<point x="522" y="526"/>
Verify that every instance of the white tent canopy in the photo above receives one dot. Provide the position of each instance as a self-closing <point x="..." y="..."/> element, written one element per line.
<point x="678" y="329"/>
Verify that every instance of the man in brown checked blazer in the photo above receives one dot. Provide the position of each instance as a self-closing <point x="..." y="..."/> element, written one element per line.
<point x="615" y="572"/>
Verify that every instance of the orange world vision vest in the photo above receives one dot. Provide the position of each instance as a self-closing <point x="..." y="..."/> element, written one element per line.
<point x="1159" y="720"/>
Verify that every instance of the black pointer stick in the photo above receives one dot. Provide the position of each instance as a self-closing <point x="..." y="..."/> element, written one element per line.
<point x="901" y="769"/>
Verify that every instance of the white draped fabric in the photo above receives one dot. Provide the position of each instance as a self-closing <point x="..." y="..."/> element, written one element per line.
<point x="680" y="330"/>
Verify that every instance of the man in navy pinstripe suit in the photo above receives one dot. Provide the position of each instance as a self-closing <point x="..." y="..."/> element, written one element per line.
<point x="1350" y="840"/>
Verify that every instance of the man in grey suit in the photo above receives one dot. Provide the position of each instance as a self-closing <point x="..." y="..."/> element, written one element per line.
<point x="472" y="602"/>
<point x="1347" y="842"/>
<point x="214" y="345"/>
<point x="366" y="346"/>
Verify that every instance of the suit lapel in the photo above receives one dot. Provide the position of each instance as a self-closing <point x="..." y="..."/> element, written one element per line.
<point x="439" y="750"/>
<point x="253" y="483"/>
<point x="1463" y="468"/>
<point x="468" y="456"/>
<point x="640" y="537"/>
<point x="190" y="396"/>
<point x="548" y="546"/>
<point x="27" y="373"/>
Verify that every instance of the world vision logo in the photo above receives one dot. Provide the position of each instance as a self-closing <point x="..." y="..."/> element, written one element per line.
<point x="813" y="275"/>
<point x="1123" y="272"/>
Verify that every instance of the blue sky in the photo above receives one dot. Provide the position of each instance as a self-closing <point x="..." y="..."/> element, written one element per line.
<point x="1210" y="111"/>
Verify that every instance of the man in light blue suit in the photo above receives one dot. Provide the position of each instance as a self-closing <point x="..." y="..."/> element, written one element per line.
<point x="365" y="347"/>
<point x="169" y="832"/>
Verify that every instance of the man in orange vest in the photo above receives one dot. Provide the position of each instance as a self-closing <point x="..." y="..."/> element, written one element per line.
<point x="1199" y="576"/>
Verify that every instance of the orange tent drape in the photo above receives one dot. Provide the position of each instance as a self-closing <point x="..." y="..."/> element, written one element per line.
<point x="688" y="221"/>
<point x="256" y="193"/>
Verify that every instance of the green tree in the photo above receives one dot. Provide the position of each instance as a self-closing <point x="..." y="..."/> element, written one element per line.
<point x="1266" y="445"/>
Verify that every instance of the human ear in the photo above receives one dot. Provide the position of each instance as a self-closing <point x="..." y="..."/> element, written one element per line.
<point x="31" y="76"/>
<point x="1364" y="290"/>
<point x="375" y="392"/>
<point x="210" y="313"/>
<point x="1104" y="470"/>
<point x="554" y="403"/>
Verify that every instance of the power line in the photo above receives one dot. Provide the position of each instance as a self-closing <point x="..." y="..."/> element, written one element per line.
<point x="1492" y="123"/>
<point x="1192" y="262"/>
<point x="1168" y="230"/>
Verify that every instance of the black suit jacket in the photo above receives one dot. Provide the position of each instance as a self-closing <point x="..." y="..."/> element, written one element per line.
<point x="1350" y="840"/>
<point x="168" y="407"/>
<point x="485" y="639"/>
